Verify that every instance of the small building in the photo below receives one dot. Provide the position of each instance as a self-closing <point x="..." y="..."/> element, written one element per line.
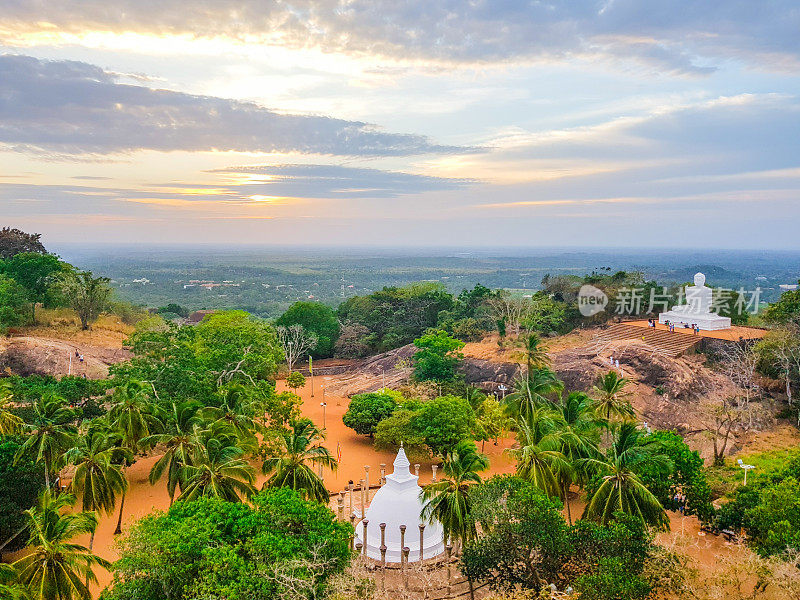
<point x="198" y="315"/>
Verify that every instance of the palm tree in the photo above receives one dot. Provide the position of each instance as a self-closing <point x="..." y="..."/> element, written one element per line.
<point x="534" y="352"/>
<point x="50" y="434"/>
<point x="9" y="588"/>
<point x="611" y="397"/>
<point x="536" y="388"/>
<point x="98" y="478"/>
<point x="291" y="466"/>
<point x="448" y="501"/>
<point x="179" y="442"/>
<point x="55" y="568"/>
<point x="133" y="415"/>
<point x="217" y="469"/>
<point x="235" y="412"/>
<point x="10" y="423"/>
<point x="578" y="436"/>
<point x="621" y="489"/>
<point x="539" y="457"/>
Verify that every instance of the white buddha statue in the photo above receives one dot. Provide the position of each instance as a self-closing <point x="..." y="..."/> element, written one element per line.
<point x="697" y="310"/>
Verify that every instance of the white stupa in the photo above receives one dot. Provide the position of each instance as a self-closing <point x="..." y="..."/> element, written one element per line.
<point x="697" y="310"/>
<point x="399" y="502"/>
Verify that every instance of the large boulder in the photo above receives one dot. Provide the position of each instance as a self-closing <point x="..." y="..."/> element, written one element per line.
<point x="39" y="356"/>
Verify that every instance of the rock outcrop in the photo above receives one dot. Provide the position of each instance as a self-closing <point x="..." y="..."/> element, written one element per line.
<point x="40" y="356"/>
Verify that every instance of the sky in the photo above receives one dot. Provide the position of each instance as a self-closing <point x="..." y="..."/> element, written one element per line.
<point x="574" y="123"/>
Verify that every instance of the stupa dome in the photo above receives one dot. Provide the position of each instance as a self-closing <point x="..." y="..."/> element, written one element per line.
<point x="399" y="502"/>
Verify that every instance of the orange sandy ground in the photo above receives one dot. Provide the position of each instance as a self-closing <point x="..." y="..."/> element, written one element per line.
<point x="357" y="451"/>
<point x="732" y="334"/>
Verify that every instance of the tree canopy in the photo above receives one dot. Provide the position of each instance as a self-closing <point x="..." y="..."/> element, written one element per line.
<point x="279" y="546"/>
<point x="318" y="318"/>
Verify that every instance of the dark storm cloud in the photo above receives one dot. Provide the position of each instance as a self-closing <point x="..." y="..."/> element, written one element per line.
<point x="75" y="108"/>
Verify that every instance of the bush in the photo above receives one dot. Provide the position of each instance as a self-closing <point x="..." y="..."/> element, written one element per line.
<point x="366" y="411"/>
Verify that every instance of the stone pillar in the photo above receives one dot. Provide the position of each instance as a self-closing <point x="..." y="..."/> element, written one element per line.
<point x="359" y="547"/>
<point x="416" y="469"/>
<point x="406" y="550"/>
<point x="340" y="506"/>
<point x="433" y="468"/>
<point x="383" y="473"/>
<point x="365" y="522"/>
<point x="350" y="489"/>
<point x="383" y="566"/>
<point x="421" y="539"/>
<point x="383" y="533"/>
<point x="353" y="519"/>
<point x="448" y="550"/>
<point x="402" y="536"/>
<point x="363" y="502"/>
<point x="366" y="480"/>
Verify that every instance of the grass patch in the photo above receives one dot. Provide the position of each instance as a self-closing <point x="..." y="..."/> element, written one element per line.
<point x="724" y="479"/>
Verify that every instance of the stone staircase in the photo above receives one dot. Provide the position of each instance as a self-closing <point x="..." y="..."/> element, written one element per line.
<point x="662" y="342"/>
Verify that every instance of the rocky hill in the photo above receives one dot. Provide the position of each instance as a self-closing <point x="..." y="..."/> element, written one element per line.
<point x="32" y="355"/>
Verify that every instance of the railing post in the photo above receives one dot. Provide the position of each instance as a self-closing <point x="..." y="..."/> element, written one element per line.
<point x="416" y="469"/>
<point x="433" y="468"/>
<point x="383" y="474"/>
<point x="365" y="522"/>
<point x="406" y="550"/>
<point x="421" y="539"/>
<point x="383" y="566"/>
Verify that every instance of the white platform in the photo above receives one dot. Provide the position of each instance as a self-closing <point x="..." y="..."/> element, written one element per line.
<point x="708" y="322"/>
<point x="697" y="310"/>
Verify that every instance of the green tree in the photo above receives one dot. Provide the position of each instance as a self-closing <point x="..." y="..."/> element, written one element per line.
<point x="537" y="388"/>
<point x="577" y="439"/>
<point x="437" y="356"/>
<point x="533" y="352"/>
<point x="9" y="422"/>
<point x="87" y="295"/>
<point x="49" y="434"/>
<point x="539" y="457"/>
<point x="317" y="318"/>
<point x="687" y="476"/>
<point x="35" y="272"/>
<point x="492" y="418"/>
<point x="293" y="462"/>
<point x="295" y="380"/>
<point x="400" y="428"/>
<point x="280" y="546"/>
<point x="365" y="411"/>
<point x="786" y="309"/>
<point x="132" y="414"/>
<point x="611" y="397"/>
<point x="14" y="241"/>
<point x="524" y="539"/>
<point x="13" y="304"/>
<point x="98" y="478"/>
<point x="621" y="489"/>
<point x="20" y="483"/>
<point x="217" y="469"/>
<point x="179" y="444"/>
<point x="55" y="567"/>
<point x="448" y="501"/>
<point x="444" y="422"/>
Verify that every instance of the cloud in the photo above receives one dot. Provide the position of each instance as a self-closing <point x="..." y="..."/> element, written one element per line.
<point x="70" y="107"/>
<point x="335" y="181"/>
<point x="679" y="36"/>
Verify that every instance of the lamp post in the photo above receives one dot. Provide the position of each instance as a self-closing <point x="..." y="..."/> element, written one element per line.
<point x="746" y="469"/>
<point x="324" y="406"/>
